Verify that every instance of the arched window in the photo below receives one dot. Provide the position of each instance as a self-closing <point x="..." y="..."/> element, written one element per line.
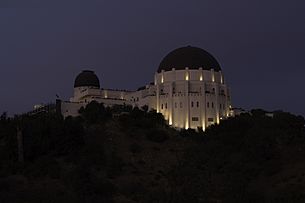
<point x="192" y="104"/>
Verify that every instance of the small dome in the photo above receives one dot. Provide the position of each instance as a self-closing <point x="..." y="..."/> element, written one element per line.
<point x="87" y="78"/>
<point x="191" y="57"/>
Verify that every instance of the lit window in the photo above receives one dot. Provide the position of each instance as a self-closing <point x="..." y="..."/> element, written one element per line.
<point x="195" y="119"/>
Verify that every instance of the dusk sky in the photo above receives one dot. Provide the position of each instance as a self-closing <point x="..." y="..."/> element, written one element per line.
<point x="43" y="46"/>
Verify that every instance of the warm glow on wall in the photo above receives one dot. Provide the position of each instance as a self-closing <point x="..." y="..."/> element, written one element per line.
<point x="170" y="120"/>
<point x="213" y="77"/>
<point x="162" y="79"/>
<point x="187" y="76"/>
<point x="201" y="77"/>
<point x="203" y="124"/>
<point x="106" y="96"/>
<point x="187" y="123"/>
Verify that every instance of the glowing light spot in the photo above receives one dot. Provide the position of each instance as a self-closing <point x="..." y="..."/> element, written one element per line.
<point x="201" y="77"/>
<point x="186" y="76"/>
<point x="187" y="123"/>
<point x="203" y="124"/>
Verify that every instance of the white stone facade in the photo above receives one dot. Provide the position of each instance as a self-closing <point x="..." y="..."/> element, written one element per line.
<point x="192" y="98"/>
<point x="188" y="98"/>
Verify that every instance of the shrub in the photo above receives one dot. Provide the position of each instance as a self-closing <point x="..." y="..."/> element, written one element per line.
<point x="157" y="135"/>
<point x="135" y="148"/>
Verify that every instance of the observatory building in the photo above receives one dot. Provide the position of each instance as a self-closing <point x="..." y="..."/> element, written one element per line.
<point x="189" y="90"/>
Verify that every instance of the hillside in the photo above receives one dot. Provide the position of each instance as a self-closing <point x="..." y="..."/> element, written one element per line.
<point x="109" y="156"/>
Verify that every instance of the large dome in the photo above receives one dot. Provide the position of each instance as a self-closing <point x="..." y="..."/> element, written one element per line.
<point x="87" y="78"/>
<point x="191" y="57"/>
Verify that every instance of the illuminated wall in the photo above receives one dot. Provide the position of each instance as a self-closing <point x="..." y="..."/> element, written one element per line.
<point x="192" y="98"/>
<point x="187" y="98"/>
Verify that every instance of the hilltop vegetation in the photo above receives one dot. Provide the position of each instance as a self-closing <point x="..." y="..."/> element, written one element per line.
<point x="122" y="154"/>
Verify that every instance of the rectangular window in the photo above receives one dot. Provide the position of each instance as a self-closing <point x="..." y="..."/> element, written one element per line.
<point x="175" y="104"/>
<point x="195" y="119"/>
<point x="180" y="104"/>
<point x="208" y="105"/>
<point x="212" y="104"/>
<point x="211" y="119"/>
<point x="165" y="105"/>
<point x="197" y="104"/>
<point x="192" y="104"/>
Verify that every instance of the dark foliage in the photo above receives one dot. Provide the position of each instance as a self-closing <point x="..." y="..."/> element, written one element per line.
<point x="95" y="112"/>
<point x="158" y="135"/>
<point x="136" y="157"/>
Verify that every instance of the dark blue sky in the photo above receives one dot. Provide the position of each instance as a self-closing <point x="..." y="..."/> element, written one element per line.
<point x="43" y="46"/>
